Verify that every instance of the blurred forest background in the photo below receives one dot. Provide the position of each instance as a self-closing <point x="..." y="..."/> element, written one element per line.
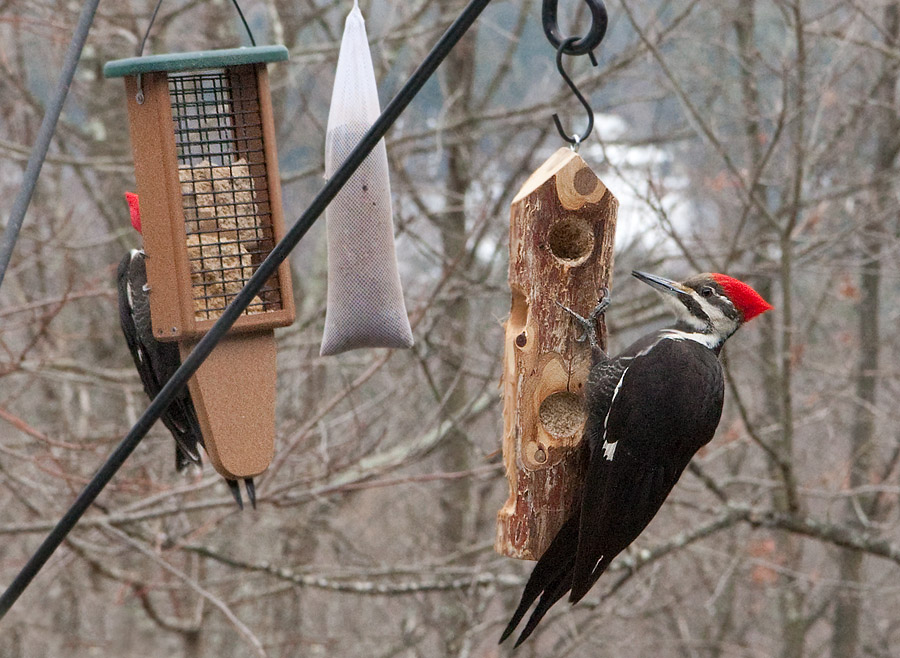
<point x="753" y="137"/>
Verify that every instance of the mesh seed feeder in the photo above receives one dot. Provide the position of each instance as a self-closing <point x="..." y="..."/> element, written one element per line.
<point x="206" y="167"/>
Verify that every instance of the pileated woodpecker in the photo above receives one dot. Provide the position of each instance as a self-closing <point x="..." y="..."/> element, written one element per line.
<point x="156" y="362"/>
<point x="649" y="410"/>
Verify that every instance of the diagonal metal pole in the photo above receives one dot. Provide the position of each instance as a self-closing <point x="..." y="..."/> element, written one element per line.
<point x="266" y="269"/>
<point x="45" y="135"/>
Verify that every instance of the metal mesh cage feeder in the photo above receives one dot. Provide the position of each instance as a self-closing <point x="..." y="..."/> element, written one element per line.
<point x="206" y="167"/>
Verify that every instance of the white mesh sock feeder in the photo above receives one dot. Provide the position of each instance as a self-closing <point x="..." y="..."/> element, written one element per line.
<point x="365" y="297"/>
<point x="206" y="166"/>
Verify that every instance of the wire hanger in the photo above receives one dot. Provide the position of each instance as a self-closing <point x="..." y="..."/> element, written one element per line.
<point x="575" y="45"/>
<point x="139" y="97"/>
<point x="140" y="49"/>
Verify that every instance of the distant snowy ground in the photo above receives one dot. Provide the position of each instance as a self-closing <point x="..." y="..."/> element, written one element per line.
<point x="643" y="178"/>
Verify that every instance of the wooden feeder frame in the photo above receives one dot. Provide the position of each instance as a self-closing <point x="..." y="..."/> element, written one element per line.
<point x="206" y="166"/>
<point x="160" y="139"/>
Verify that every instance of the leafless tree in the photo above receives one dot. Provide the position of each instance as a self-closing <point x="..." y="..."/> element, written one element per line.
<point x="754" y="137"/>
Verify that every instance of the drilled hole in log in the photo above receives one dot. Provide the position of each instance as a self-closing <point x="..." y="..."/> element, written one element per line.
<point x="571" y="240"/>
<point x="561" y="414"/>
<point x="518" y="311"/>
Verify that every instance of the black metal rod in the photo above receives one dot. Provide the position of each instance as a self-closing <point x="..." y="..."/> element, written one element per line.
<point x="45" y="135"/>
<point x="233" y="311"/>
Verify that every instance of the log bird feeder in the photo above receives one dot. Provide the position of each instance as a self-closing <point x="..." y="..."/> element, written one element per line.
<point x="562" y="225"/>
<point x="206" y="167"/>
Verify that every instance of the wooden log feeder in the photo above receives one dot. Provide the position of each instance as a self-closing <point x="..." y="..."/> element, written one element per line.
<point x="562" y="225"/>
<point x="203" y="139"/>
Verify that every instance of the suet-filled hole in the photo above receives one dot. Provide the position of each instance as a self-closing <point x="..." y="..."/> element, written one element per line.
<point x="571" y="240"/>
<point x="562" y="414"/>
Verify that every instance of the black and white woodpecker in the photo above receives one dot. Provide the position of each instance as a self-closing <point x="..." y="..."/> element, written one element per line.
<point x="650" y="409"/>
<point x="156" y="362"/>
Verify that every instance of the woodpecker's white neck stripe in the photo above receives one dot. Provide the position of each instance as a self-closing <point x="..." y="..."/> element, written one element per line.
<point x="711" y="341"/>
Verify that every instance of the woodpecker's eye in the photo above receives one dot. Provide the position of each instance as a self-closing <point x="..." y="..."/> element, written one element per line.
<point x="706" y="291"/>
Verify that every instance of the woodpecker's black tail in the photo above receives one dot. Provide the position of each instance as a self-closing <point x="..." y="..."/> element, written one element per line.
<point x="580" y="589"/>
<point x="550" y="580"/>
<point x="182" y="460"/>
<point x="553" y="593"/>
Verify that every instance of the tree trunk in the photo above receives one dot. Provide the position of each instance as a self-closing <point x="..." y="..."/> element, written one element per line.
<point x="452" y="331"/>
<point x="845" y="636"/>
<point x="775" y="339"/>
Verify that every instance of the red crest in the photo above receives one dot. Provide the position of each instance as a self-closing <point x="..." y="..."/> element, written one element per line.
<point x="746" y="299"/>
<point x="135" y="209"/>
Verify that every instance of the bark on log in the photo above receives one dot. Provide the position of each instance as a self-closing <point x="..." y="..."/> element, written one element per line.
<point x="562" y="225"/>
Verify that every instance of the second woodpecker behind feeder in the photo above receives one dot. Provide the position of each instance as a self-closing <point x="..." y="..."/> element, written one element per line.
<point x="156" y="362"/>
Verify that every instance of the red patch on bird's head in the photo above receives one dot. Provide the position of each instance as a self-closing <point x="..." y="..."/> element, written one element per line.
<point x="749" y="302"/>
<point x="135" y="208"/>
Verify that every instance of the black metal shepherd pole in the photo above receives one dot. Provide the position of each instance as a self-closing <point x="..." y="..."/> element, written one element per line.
<point x="45" y="135"/>
<point x="244" y="297"/>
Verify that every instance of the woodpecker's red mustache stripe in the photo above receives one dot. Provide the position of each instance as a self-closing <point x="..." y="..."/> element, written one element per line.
<point x="746" y="299"/>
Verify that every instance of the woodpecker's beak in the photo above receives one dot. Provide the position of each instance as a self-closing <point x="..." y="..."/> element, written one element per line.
<point x="661" y="283"/>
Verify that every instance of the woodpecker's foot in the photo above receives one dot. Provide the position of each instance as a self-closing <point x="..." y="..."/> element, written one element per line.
<point x="251" y="491"/>
<point x="602" y="303"/>
<point x="236" y="493"/>
<point x="589" y="324"/>
<point x="588" y="327"/>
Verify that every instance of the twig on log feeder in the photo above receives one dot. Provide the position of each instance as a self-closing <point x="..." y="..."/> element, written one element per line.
<point x="562" y="225"/>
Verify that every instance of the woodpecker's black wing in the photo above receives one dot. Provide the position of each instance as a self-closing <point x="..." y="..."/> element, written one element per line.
<point x="155" y="361"/>
<point x="601" y="385"/>
<point x="551" y="578"/>
<point x="666" y="406"/>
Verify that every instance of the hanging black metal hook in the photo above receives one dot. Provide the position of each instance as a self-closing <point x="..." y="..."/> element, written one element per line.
<point x="578" y="45"/>
<point x="575" y="139"/>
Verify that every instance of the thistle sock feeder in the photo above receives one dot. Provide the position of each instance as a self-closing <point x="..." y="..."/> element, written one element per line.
<point x="562" y="226"/>
<point x="206" y="167"/>
<point x="365" y="298"/>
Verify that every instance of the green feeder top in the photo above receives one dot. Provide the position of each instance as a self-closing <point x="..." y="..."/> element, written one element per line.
<point x="201" y="59"/>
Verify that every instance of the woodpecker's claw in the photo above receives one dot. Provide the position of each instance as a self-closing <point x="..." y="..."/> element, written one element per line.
<point x="251" y="491"/>
<point x="589" y="324"/>
<point x="236" y="492"/>
<point x="583" y="322"/>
